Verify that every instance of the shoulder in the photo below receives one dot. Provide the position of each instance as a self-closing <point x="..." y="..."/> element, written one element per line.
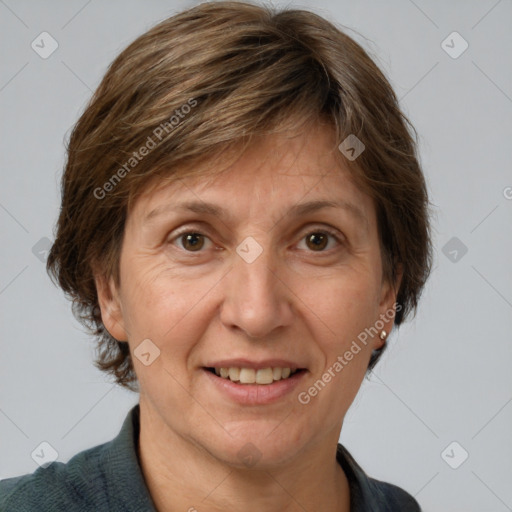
<point x="104" y="478"/>
<point x="393" y="497"/>
<point x="57" y="487"/>
<point x="367" y="493"/>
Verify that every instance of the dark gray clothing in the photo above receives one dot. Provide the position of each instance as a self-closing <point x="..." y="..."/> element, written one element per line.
<point x="108" y="478"/>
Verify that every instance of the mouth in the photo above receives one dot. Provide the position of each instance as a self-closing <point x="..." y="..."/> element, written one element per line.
<point x="260" y="376"/>
<point x="254" y="382"/>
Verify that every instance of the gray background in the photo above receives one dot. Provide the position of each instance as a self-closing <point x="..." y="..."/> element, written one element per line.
<point x="446" y="376"/>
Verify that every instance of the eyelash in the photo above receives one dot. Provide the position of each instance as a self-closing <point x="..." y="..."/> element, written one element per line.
<point x="323" y="230"/>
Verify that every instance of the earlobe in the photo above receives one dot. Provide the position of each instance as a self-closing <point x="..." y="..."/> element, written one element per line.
<point x="110" y="307"/>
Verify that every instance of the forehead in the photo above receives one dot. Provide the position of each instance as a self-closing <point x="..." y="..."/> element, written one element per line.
<point x="277" y="169"/>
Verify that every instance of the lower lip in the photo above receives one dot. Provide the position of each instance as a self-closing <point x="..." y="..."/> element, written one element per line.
<point x="256" y="394"/>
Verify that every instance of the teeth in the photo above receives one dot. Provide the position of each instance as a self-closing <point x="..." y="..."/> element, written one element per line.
<point x="252" y="376"/>
<point x="234" y="374"/>
<point x="264" y="376"/>
<point x="247" y="376"/>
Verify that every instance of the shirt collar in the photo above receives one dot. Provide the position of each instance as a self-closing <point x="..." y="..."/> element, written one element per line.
<point x="123" y="472"/>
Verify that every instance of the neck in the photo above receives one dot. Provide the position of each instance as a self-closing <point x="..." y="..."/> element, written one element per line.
<point x="183" y="476"/>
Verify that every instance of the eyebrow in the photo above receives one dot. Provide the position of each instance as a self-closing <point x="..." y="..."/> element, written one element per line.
<point x="298" y="210"/>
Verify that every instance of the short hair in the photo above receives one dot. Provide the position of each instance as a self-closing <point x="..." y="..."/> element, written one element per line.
<point x="202" y="83"/>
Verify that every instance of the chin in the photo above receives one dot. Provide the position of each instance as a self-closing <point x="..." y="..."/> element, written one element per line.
<point x="261" y="446"/>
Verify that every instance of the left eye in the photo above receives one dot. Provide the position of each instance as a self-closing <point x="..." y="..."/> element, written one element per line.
<point x="318" y="240"/>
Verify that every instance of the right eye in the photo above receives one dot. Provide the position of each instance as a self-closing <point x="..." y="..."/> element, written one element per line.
<point x="191" y="241"/>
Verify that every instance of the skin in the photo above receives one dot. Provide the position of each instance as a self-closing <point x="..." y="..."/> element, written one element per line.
<point x="295" y="301"/>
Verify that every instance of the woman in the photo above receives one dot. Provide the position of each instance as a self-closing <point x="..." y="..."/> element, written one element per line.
<point x="243" y="222"/>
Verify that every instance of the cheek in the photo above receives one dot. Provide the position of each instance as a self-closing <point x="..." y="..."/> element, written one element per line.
<point x="165" y="307"/>
<point x="342" y="305"/>
<point x="339" y="311"/>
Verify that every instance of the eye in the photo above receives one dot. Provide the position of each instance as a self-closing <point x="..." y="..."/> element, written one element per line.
<point x="318" y="240"/>
<point x="191" y="241"/>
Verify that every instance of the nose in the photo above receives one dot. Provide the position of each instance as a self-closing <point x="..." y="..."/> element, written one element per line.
<point x="256" y="300"/>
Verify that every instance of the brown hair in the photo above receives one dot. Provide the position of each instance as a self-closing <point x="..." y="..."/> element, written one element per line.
<point x="206" y="81"/>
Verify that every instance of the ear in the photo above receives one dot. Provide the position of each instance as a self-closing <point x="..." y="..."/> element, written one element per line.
<point x="110" y="306"/>
<point x="389" y="293"/>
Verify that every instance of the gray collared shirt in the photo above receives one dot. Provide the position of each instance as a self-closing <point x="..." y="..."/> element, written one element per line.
<point x="108" y="478"/>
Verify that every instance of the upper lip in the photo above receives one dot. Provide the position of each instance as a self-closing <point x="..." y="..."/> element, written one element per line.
<point x="257" y="365"/>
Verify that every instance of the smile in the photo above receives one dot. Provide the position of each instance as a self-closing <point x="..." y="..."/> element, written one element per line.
<point x="252" y="376"/>
<point x="263" y="385"/>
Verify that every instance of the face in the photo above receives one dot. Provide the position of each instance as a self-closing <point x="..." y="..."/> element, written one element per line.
<point x="254" y="277"/>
